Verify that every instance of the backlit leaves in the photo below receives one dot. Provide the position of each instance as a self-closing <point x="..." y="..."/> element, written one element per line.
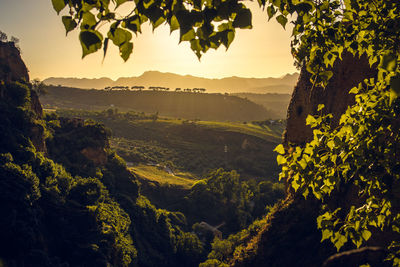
<point x="133" y="23"/>
<point x="281" y="19"/>
<point x="126" y="50"/>
<point x="243" y="19"/>
<point x="174" y="23"/>
<point x="346" y="156"/>
<point x="69" y="23"/>
<point x="188" y="35"/>
<point x="120" y="2"/>
<point x="280" y="149"/>
<point x="205" y="24"/>
<point x="58" y="5"/>
<point x="119" y="36"/>
<point x="388" y="62"/>
<point x="91" y="41"/>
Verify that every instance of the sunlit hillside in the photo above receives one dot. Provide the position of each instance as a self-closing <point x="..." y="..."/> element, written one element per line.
<point x="185" y="105"/>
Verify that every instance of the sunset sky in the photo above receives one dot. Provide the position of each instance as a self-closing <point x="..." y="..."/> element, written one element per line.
<point x="263" y="51"/>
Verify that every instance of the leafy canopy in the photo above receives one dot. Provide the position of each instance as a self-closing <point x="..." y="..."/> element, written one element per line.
<point x="204" y="23"/>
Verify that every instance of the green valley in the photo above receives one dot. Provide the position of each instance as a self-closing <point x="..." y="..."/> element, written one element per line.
<point x="193" y="146"/>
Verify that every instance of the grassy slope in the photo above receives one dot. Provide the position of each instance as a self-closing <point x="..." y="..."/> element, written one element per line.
<point x="156" y="174"/>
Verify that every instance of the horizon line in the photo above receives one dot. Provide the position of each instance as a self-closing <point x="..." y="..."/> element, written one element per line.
<point x="225" y="77"/>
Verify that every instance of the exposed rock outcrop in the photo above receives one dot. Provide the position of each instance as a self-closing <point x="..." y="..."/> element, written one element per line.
<point x="96" y="154"/>
<point x="12" y="67"/>
<point x="292" y="237"/>
<point x="347" y="73"/>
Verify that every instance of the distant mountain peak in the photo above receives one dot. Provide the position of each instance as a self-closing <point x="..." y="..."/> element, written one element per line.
<point x="234" y="84"/>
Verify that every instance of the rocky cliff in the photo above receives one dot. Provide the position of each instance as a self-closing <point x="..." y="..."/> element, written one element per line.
<point x="291" y="237"/>
<point x="12" y="70"/>
<point x="347" y="73"/>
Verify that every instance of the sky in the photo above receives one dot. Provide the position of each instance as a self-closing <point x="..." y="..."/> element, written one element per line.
<point x="263" y="51"/>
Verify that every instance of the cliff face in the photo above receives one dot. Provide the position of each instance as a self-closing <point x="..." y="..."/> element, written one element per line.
<point x="13" y="69"/>
<point x="292" y="238"/>
<point x="305" y="99"/>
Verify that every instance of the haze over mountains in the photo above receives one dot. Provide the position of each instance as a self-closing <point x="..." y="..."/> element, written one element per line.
<point x="282" y="85"/>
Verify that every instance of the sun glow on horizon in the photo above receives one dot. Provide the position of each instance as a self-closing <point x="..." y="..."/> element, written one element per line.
<point x="263" y="51"/>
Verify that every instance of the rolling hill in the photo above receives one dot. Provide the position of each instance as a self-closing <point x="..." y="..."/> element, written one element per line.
<point x="173" y="104"/>
<point x="277" y="103"/>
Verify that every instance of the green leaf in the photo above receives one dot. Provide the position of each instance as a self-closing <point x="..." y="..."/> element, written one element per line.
<point x="331" y="144"/>
<point x="280" y="149"/>
<point x="69" y="23"/>
<point x="303" y="164"/>
<point x="105" y="47"/>
<point x="120" y="2"/>
<point x="88" y="21"/>
<point x="366" y="234"/>
<point x="339" y="240"/>
<point x="271" y="12"/>
<point x="158" y="22"/>
<point x="326" y="75"/>
<point x="388" y="62"/>
<point x="90" y="41"/>
<point x="354" y="90"/>
<point x="125" y="50"/>
<point x="282" y="20"/>
<point x="243" y="19"/>
<point x="326" y="234"/>
<point x="133" y="24"/>
<point x="196" y="47"/>
<point x="58" y="5"/>
<point x="261" y="3"/>
<point x="295" y="185"/>
<point x="227" y="38"/>
<point x="156" y="16"/>
<point x="187" y="36"/>
<point x="395" y="84"/>
<point x="174" y="24"/>
<point x="280" y="159"/>
<point x="225" y="27"/>
<point x="119" y="36"/>
<point x="303" y="7"/>
<point x="310" y="120"/>
<point x="148" y="3"/>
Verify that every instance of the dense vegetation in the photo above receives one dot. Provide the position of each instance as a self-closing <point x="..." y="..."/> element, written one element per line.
<point x="152" y="144"/>
<point x="72" y="200"/>
<point x="63" y="208"/>
<point x="174" y="104"/>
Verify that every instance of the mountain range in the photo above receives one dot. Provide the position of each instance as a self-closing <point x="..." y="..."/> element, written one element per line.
<point x="283" y="85"/>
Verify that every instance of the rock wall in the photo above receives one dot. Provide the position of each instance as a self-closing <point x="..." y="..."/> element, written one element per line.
<point x="12" y="68"/>
<point x="291" y="238"/>
<point x="347" y="73"/>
